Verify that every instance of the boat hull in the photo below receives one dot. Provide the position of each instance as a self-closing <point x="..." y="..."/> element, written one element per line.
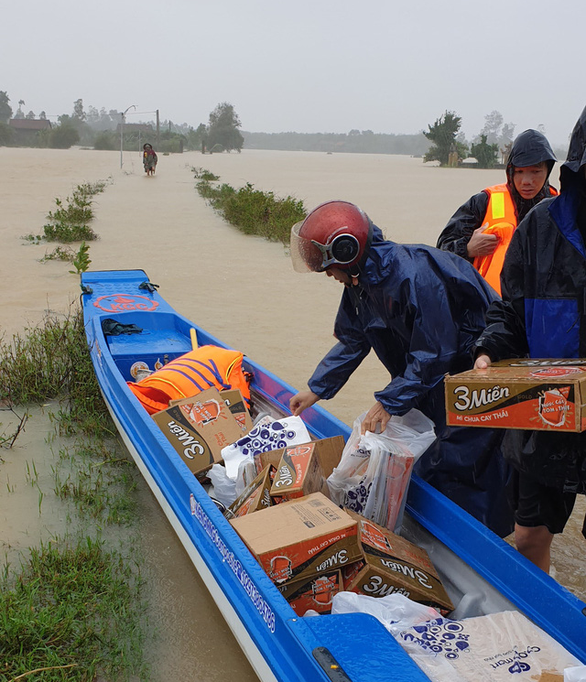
<point x="280" y="645"/>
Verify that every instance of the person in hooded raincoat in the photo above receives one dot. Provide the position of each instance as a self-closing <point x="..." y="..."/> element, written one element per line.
<point x="149" y="159"/>
<point x="481" y="229"/>
<point x="543" y="315"/>
<point x="420" y="309"/>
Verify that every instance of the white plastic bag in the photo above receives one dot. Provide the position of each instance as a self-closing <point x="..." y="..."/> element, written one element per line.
<point x="395" y="611"/>
<point x="373" y="476"/>
<point x="575" y="674"/>
<point x="268" y="434"/>
<point x="223" y="488"/>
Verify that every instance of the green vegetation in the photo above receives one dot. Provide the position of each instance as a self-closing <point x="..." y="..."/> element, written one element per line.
<point x="69" y="221"/>
<point x="355" y="141"/>
<point x="250" y="210"/>
<point x="223" y="129"/>
<point x="70" y="614"/>
<point x="73" y="611"/>
<point x="486" y="154"/>
<point x="443" y="137"/>
<point x="81" y="260"/>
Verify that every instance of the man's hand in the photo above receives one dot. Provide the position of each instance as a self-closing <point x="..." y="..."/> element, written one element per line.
<point x="481" y="243"/>
<point x="301" y="401"/>
<point x="377" y="415"/>
<point x="482" y="362"/>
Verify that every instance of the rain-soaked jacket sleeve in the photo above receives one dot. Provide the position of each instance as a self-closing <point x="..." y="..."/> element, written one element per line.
<point x="505" y="334"/>
<point x="457" y="233"/>
<point x="432" y="344"/>
<point x="338" y="365"/>
<point x="425" y="343"/>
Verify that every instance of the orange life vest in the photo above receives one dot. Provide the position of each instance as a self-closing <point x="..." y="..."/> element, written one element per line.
<point x="501" y="217"/>
<point x="191" y="373"/>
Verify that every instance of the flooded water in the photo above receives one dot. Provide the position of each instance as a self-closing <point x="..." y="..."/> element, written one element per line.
<point x="241" y="289"/>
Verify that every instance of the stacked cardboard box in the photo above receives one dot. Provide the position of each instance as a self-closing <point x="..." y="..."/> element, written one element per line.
<point x="300" y="538"/>
<point x="390" y="563"/>
<point x="198" y="428"/>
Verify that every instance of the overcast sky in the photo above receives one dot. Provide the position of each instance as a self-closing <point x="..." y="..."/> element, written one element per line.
<point x="304" y="65"/>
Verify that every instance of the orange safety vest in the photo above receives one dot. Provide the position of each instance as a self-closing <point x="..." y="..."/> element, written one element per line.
<point x="191" y="373"/>
<point x="501" y="217"/>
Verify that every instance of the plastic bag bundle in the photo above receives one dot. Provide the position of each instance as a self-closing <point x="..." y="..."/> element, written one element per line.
<point x="373" y="476"/>
<point x="267" y="434"/>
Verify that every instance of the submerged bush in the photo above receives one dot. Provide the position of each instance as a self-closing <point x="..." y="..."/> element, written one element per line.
<point x="251" y="210"/>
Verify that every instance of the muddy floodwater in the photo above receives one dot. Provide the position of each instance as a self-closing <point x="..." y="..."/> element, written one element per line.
<point x="241" y="289"/>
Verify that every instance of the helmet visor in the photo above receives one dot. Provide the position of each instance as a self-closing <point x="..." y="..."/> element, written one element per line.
<point x="305" y="255"/>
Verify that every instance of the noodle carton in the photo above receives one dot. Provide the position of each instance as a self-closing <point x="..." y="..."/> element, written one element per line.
<point x="314" y="593"/>
<point x="393" y="564"/>
<point x="298" y="473"/>
<point x="300" y="538"/>
<point x="525" y="393"/>
<point x="255" y="496"/>
<point x="198" y="428"/>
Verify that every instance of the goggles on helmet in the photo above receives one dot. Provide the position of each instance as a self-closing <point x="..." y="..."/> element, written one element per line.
<point x="309" y="255"/>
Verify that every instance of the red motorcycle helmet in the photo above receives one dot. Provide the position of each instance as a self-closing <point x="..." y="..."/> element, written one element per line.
<point x="335" y="234"/>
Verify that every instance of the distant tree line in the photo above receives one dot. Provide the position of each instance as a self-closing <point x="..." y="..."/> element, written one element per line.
<point x="489" y="149"/>
<point x="100" y="129"/>
<point x="365" y="141"/>
<point x="443" y="141"/>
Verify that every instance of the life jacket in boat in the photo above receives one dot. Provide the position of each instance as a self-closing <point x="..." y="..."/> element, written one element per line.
<point x="191" y="373"/>
<point x="502" y="221"/>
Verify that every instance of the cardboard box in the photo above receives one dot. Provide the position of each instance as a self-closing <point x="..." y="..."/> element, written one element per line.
<point x="393" y="564"/>
<point x="233" y="398"/>
<point x="198" y="428"/>
<point x="328" y="450"/>
<point x="298" y="473"/>
<point x="300" y="538"/>
<point x="536" y="394"/>
<point x="314" y="593"/>
<point x="255" y="496"/>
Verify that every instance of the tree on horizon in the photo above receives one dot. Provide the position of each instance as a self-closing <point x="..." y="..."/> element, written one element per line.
<point x="5" y="108"/>
<point x="443" y="134"/>
<point x="223" y="128"/>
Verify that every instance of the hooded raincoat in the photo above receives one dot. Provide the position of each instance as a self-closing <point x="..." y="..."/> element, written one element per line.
<point x="543" y="313"/>
<point x="421" y="310"/>
<point x="529" y="149"/>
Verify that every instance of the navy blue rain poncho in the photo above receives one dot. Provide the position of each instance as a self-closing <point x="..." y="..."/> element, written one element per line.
<point x="421" y="310"/>
<point x="543" y="312"/>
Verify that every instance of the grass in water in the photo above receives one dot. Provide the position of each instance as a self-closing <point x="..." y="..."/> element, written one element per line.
<point x="251" y="210"/>
<point x="70" y="614"/>
<point x="69" y="222"/>
<point x="52" y="361"/>
<point x="74" y="611"/>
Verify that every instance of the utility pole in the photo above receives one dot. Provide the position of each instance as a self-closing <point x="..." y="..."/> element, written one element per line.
<point x="132" y="106"/>
<point x="158" y="130"/>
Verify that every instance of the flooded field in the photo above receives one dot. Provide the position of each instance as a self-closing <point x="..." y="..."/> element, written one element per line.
<point x="241" y="289"/>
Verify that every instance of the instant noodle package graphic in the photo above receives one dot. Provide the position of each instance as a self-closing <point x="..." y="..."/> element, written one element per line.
<point x="536" y="394"/>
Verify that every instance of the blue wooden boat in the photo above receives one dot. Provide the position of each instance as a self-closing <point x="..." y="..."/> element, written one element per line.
<point x="481" y="572"/>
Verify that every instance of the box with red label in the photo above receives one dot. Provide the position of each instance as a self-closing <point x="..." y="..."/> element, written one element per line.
<point x="233" y="398"/>
<point x="300" y="538"/>
<point x="255" y="496"/>
<point x="198" y="428"/>
<point x="525" y="393"/>
<point x="393" y="564"/>
<point x="298" y="473"/>
<point x="328" y="452"/>
<point x="314" y="593"/>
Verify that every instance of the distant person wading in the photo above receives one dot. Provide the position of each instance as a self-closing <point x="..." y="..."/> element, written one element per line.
<point x="149" y="159"/>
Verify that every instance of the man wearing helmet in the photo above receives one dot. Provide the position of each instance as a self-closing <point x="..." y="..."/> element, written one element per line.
<point x="481" y="229"/>
<point x="420" y="309"/>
